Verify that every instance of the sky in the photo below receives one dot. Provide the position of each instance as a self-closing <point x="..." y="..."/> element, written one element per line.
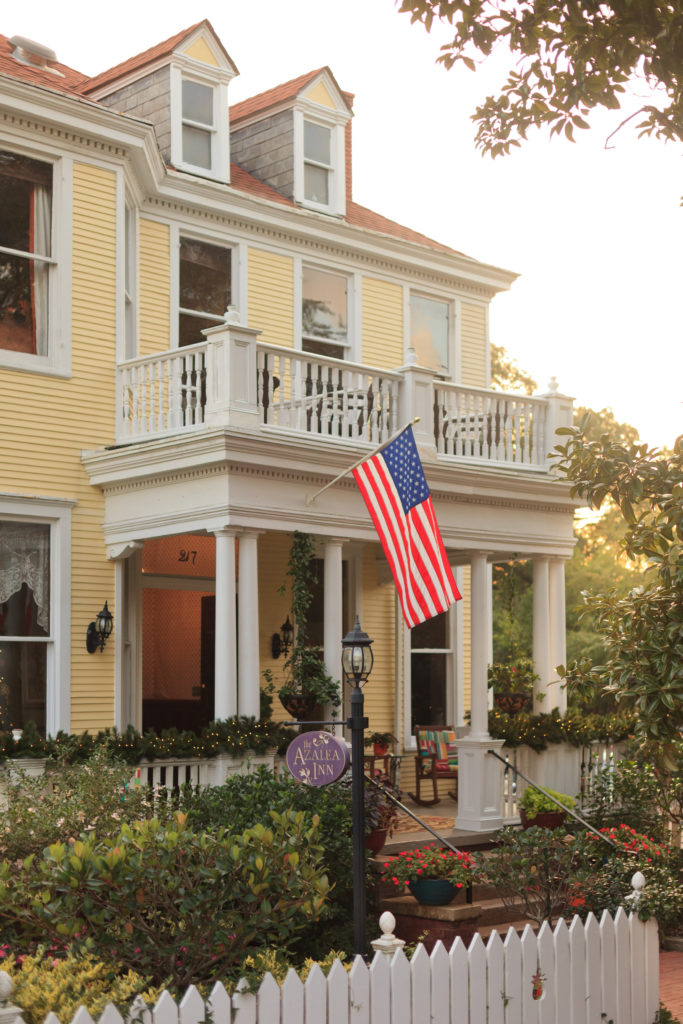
<point x="595" y="234"/>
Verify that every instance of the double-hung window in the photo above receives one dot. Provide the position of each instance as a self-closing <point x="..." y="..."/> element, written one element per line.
<point x="324" y="313"/>
<point x="199" y="123"/>
<point x="205" y="288"/>
<point x="430" y="332"/>
<point x="25" y="253"/>
<point x="430" y="670"/>
<point x="317" y="163"/>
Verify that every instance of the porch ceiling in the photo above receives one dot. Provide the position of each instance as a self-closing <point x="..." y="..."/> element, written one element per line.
<point x="229" y="477"/>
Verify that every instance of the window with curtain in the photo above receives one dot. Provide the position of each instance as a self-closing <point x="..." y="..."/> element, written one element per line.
<point x="430" y="332"/>
<point x="198" y="123"/>
<point x="24" y="622"/>
<point x="25" y="252"/>
<point x="324" y="313"/>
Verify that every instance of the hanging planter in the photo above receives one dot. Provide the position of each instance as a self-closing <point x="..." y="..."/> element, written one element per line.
<point x="302" y="706"/>
<point x="512" y="703"/>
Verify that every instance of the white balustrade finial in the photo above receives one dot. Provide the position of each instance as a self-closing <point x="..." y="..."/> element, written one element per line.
<point x="388" y="943"/>
<point x="6" y="987"/>
<point x="552" y="386"/>
<point x="411" y="358"/>
<point x="232" y="315"/>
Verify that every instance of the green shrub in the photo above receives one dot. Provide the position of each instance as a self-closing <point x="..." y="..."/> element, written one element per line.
<point x="633" y="792"/>
<point x="170" y="902"/>
<point x="534" y="802"/>
<point x="43" y="983"/>
<point x="65" y="802"/>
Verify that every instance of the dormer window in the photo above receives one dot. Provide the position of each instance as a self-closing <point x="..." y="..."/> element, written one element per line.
<point x="317" y="162"/>
<point x="198" y="123"/>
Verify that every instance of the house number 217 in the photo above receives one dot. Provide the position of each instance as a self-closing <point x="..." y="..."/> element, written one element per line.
<point x="187" y="556"/>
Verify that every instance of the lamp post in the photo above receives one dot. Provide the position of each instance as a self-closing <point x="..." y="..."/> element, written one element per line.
<point x="357" y="659"/>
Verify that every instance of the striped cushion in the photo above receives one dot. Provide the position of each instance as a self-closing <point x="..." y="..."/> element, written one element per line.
<point x="441" y="742"/>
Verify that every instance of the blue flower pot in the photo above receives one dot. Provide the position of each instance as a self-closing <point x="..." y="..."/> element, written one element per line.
<point x="433" y="892"/>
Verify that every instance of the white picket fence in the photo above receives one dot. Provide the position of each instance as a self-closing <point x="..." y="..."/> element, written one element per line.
<point x="595" y="973"/>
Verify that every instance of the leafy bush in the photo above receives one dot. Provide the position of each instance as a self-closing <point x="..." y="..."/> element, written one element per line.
<point x="532" y="869"/>
<point x="534" y="802"/>
<point x="44" y="983"/>
<point x="577" y="728"/>
<point x="66" y="801"/>
<point x="168" y="901"/>
<point x="635" y="793"/>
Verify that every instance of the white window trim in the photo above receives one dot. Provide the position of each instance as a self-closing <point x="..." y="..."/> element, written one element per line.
<point x="336" y="121"/>
<point x="127" y="248"/>
<point x="57" y="362"/>
<point x="452" y="371"/>
<point x="453" y="683"/>
<point x="217" y="80"/>
<point x="238" y="264"/>
<point x="56" y="513"/>
<point x="353" y="311"/>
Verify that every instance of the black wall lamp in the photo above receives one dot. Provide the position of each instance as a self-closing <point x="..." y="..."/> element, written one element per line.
<point x="99" y="631"/>
<point x="282" y="641"/>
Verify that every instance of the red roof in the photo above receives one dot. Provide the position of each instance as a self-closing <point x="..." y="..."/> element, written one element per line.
<point x="67" y="80"/>
<point x="148" y="57"/>
<point x="279" y="94"/>
<point x="361" y="217"/>
<point x="245" y="182"/>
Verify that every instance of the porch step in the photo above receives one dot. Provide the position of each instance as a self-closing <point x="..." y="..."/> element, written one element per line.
<point x="502" y="927"/>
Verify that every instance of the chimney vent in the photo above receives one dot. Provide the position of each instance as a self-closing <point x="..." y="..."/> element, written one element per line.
<point x="29" y="52"/>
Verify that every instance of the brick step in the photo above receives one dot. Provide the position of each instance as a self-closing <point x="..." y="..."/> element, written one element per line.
<point x="493" y="910"/>
<point x="502" y="927"/>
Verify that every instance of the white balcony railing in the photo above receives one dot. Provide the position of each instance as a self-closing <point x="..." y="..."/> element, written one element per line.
<point x="297" y="391"/>
<point x="490" y="425"/>
<point x="232" y="380"/>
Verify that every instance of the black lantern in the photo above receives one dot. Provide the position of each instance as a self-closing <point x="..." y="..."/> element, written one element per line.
<point x="99" y="631"/>
<point x="357" y="656"/>
<point x="282" y="641"/>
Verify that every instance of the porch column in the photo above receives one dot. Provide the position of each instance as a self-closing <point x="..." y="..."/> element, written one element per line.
<point x="248" y="698"/>
<point x="541" y="635"/>
<point x="225" y="670"/>
<point x="479" y="774"/>
<point x="127" y="558"/>
<point x="332" y="600"/>
<point x="558" y="634"/>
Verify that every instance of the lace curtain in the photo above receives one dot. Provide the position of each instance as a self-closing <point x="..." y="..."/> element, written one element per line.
<point x="25" y="558"/>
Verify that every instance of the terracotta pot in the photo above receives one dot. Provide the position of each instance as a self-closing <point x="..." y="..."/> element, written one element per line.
<point x="434" y="892"/>
<point x="376" y="840"/>
<point x="512" y="703"/>
<point x="544" y="819"/>
<point x="380" y="749"/>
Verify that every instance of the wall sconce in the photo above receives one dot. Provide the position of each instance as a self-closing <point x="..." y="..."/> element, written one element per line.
<point x="99" y="631"/>
<point x="282" y="641"/>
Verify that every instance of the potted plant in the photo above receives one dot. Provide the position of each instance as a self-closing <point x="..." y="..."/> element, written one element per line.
<point x="536" y="809"/>
<point x="307" y="687"/>
<point x="433" y="875"/>
<point x="380" y="742"/>
<point x="381" y="815"/>
<point x="512" y="684"/>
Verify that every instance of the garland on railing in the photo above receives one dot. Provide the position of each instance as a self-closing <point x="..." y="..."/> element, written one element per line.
<point x="232" y="736"/>
<point x="577" y="728"/>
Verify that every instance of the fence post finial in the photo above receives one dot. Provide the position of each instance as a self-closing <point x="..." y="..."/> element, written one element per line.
<point x="637" y="883"/>
<point x="388" y="943"/>
<point x="9" y="1014"/>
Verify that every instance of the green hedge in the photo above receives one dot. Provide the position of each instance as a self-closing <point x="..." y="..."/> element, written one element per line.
<point x="577" y="728"/>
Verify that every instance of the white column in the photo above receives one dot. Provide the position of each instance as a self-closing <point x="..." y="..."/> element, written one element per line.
<point x="481" y="613"/>
<point x="479" y="773"/>
<point x="248" y="698"/>
<point x="541" y="634"/>
<point x="127" y="681"/>
<point x="225" y="643"/>
<point x="558" y="634"/>
<point x="332" y="599"/>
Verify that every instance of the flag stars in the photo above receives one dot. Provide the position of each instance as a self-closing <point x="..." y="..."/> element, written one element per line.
<point x="403" y="462"/>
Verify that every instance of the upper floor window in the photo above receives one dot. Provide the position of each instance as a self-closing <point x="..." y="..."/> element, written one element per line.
<point x="317" y="162"/>
<point x="25" y="253"/>
<point x="205" y="288"/>
<point x="324" y="313"/>
<point x="430" y="332"/>
<point x="198" y="123"/>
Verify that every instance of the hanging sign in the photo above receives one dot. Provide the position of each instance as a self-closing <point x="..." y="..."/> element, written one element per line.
<point x="317" y="758"/>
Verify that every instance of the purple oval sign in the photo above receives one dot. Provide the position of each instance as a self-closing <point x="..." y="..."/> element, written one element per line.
<point x="317" y="758"/>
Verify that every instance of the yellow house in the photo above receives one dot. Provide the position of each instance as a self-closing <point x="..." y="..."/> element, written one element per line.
<point x="199" y="328"/>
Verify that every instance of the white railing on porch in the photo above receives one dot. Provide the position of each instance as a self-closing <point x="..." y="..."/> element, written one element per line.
<point x="480" y="424"/>
<point x="162" y="394"/>
<point x="581" y="974"/>
<point x="298" y="391"/>
<point x="561" y="767"/>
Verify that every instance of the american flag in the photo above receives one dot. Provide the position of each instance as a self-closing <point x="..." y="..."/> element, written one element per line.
<point x="395" y="490"/>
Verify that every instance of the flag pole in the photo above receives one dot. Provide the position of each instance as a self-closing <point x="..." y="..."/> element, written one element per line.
<point x="311" y="499"/>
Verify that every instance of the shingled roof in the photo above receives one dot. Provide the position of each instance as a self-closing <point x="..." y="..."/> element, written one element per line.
<point x="61" y="78"/>
<point x="279" y="94"/>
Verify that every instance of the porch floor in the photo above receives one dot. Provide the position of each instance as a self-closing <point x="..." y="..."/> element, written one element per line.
<point x="441" y="817"/>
